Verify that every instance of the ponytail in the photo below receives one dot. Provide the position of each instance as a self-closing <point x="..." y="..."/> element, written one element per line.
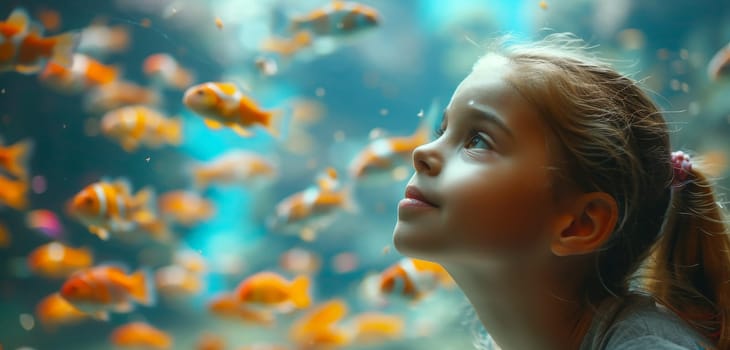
<point x="689" y="268"/>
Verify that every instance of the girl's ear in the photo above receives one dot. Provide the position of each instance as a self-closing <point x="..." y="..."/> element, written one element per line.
<point x="589" y="224"/>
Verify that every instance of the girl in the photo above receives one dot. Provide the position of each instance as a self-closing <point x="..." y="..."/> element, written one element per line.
<point x="553" y="198"/>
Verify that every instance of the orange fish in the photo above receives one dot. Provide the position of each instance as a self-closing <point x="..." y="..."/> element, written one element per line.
<point x="185" y="207"/>
<point x="383" y="155"/>
<point x="190" y="260"/>
<point x="313" y="208"/>
<point x="339" y="18"/>
<point x="55" y="260"/>
<point x="165" y="69"/>
<point x="229" y="306"/>
<point x="84" y="73"/>
<point x="101" y="289"/>
<point x="287" y="46"/>
<point x="318" y="328"/>
<point x="719" y="64"/>
<point x="24" y="49"/>
<point x="175" y="281"/>
<point x="14" y="193"/>
<point x="117" y="94"/>
<point x="140" y="334"/>
<point x="133" y="126"/>
<point x="224" y="104"/>
<point x="236" y="167"/>
<point x="54" y="311"/>
<point x="106" y="207"/>
<point x="5" y="237"/>
<point x="271" y="291"/>
<point x="409" y="278"/>
<point x="14" y="158"/>
<point x="373" y="327"/>
<point x="210" y="341"/>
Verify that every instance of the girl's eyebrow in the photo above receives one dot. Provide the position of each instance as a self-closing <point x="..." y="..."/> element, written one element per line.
<point x="491" y="116"/>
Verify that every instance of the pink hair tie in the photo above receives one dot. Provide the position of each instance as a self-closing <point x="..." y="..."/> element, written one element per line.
<point x="682" y="165"/>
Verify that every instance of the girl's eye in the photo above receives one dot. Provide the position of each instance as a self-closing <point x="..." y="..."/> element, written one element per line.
<point x="478" y="140"/>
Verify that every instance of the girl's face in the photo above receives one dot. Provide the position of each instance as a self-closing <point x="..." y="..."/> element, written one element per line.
<point x="485" y="180"/>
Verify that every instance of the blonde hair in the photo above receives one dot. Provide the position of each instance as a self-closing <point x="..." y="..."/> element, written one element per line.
<point x="613" y="138"/>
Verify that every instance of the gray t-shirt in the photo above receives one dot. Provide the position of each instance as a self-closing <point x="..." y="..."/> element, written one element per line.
<point x="639" y="324"/>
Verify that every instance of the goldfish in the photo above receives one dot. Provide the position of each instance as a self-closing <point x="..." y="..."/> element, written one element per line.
<point x="24" y="49"/>
<point x="235" y="167"/>
<point x="228" y="305"/>
<point x="84" y="73"/>
<point x="287" y="46"/>
<point x="106" y="207"/>
<point x="140" y="334"/>
<point x="378" y="160"/>
<point x="166" y="70"/>
<point x="56" y="260"/>
<point x="175" y="281"/>
<point x="339" y="18"/>
<point x="53" y="311"/>
<point x="411" y="279"/>
<point x="318" y="327"/>
<point x="14" y="158"/>
<point x="313" y="208"/>
<point x="190" y="260"/>
<point x="224" y="104"/>
<point x="719" y="63"/>
<point x="133" y="126"/>
<point x="373" y="327"/>
<point x="269" y="290"/>
<point x="210" y="341"/>
<point x="100" y="289"/>
<point x="185" y="207"/>
<point x="14" y="193"/>
<point x="100" y="40"/>
<point x="117" y="94"/>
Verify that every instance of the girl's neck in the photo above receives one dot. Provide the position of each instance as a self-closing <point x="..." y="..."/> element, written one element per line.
<point x="527" y="307"/>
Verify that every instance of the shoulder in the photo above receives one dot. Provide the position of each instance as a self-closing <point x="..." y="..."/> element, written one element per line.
<point x="641" y="324"/>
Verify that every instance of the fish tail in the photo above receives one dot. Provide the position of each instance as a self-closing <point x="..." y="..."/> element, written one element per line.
<point x="15" y="195"/>
<point x="274" y="122"/>
<point x="144" y="199"/>
<point x="200" y="177"/>
<point x="64" y="47"/>
<point x="18" y="154"/>
<point x="143" y="287"/>
<point x="300" y="292"/>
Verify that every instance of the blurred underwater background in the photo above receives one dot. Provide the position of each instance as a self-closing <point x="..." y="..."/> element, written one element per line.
<point x="129" y="125"/>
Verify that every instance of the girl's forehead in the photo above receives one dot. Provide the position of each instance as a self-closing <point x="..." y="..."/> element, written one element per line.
<point x="483" y="86"/>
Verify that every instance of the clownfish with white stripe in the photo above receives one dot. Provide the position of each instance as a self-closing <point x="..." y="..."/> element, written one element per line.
<point x="109" y="207"/>
<point x="410" y="279"/>
<point x="223" y="104"/>
<point x="24" y="49"/>
<point x="339" y="18"/>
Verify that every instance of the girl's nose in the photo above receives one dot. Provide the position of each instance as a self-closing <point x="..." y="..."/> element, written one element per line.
<point x="427" y="159"/>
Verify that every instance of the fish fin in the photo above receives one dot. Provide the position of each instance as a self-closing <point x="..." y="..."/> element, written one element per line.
<point x="64" y="47"/>
<point x="30" y="68"/>
<point x="129" y="144"/>
<point x="145" y="199"/>
<point x="124" y="307"/>
<point x="143" y="287"/>
<point x="212" y="123"/>
<point x="300" y="292"/>
<point x="121" y="225"/>
<point x="19" y="153"/>
<point x="100" y="232"/>
<point x="173" y="131"/>
<point x="241" y="130"/>
<point x="19" y="17"/>
<point x="101" y="315"/>
<point x="122" y="184"/>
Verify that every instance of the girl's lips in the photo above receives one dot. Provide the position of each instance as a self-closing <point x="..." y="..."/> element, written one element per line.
<point x="415" y="196"/>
